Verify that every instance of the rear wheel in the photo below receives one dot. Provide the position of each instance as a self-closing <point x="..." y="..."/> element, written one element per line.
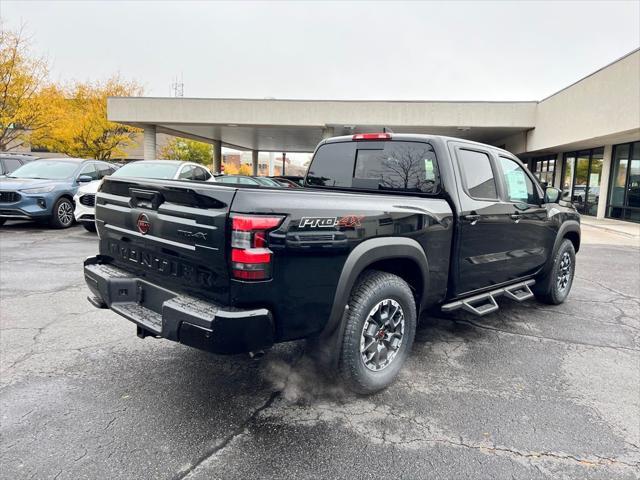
<point x="554" y="287"/>
<point x="62" y="215"/>
<point x="89" y="226"/>
<point x="379" y="332"/>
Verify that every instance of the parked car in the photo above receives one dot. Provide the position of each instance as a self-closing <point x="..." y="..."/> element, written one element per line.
<point x="165" y="169"/>
<point x="387" y="227"/>
<point x="43" y="190"/>
<point x="247" y="180"/>
<point x="11" y="161"/>
<point x="285" y="182"/>
<point x="291" y="178"/>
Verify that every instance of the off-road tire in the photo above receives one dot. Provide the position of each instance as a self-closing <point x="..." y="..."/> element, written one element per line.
<point x="373" y="288"/>
<point x="549" y="288"/>
<point x="58" y="219"/>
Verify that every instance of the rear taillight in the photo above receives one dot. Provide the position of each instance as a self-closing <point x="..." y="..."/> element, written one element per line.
<point x="371" y="136"/>
<point x="250" y="257"/>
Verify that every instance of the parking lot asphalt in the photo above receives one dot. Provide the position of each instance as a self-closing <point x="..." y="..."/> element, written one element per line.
<point x="532" y="391"/>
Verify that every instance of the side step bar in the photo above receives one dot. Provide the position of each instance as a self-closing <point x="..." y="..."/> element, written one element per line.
<point x="485" y="303"/>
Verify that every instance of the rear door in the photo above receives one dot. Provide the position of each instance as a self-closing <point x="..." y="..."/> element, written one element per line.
<point x="483" y="244"/>
<point x="169" y="231"/>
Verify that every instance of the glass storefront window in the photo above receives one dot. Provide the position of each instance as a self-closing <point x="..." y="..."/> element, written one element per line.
<point x="544" y="169"/>
<point x="633" y="192"/>
<point x="581" y="179"/>
<point x="567" y="176"/>
<point x="624" y="192"/>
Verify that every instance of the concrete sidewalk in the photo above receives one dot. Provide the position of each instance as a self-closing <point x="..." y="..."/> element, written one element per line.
<point x="608" y="231"/>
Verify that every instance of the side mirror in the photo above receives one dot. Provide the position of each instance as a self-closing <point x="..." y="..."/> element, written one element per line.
<point x="85" y="179"/>
<point x="552" y="195"/>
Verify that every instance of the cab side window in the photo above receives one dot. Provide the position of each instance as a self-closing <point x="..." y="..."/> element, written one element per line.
<point x="104" y="169"/>
<point x="89" y="170"/>
<point x="186" y="173"/>
<point x="200" y="174"/>
<point x="11" y="164"/>
<point x="477" y="174"/>
<point x="520" y="188"/>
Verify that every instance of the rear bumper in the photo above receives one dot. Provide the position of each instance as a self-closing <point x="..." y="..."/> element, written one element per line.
<point x="181" y="318"/>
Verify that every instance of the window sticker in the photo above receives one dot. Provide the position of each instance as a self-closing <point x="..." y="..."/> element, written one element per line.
<point x="429" y="173"/>
<point x="516" y="185"/>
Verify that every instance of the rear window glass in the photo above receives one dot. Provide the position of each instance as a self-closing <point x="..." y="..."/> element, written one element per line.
<point x="147" y="170"/>
<point x="396" y="166"/>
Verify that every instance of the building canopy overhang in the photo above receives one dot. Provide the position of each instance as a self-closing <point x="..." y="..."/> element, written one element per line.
<point x="298" y="125"/>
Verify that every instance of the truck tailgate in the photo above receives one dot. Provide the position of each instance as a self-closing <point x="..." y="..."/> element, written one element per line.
<point x="170" y="231"/>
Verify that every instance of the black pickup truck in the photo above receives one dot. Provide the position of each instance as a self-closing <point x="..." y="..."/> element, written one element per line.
<point x="386" y="227"/>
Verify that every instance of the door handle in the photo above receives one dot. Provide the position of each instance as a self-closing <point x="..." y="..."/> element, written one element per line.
<point x="473" y="218"/>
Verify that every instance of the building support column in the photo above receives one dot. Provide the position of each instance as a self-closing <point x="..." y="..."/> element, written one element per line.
<point x="254" y="162"/>
<point x="149" y="143"/>
<point x="272" y="161"/>
<point x="558" y="168"/>
<point x="604" y="182"/>
<point x="327" y="132"/>
<point x="216" y="166"/>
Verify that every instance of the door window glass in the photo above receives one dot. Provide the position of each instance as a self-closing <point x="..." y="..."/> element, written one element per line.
<point x="520" y="188"/>
<point x="477" y="174"/>
<point x="11" y="164"/>
<point x="186" y="173"/>
<point x="89" y="170"/>
<point x="200" y="174"/>
<point x="104" y="169"/>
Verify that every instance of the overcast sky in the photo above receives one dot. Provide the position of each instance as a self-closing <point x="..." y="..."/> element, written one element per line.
<point x="333" y="50"/>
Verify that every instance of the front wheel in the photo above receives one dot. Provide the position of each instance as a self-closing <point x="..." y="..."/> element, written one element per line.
<point x="89" y="226"/>
<point x="379" y="332"/>
<point x="62" y="215"/>
<point x="554" y="287"/>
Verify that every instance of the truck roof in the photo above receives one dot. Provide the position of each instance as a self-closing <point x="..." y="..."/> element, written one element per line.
<point x="414" y="137"/>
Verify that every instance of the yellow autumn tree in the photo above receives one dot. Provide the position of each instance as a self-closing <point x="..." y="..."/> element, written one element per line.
<point x="81" y="127"/>
<point x="187" y="150"/>
<point x="26" y="105"/>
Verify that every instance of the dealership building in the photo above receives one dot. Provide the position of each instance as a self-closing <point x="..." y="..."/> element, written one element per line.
<point x="584" y="139"/>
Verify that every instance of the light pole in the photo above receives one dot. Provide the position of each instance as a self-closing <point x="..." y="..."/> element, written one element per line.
<point x="284" y="158"/>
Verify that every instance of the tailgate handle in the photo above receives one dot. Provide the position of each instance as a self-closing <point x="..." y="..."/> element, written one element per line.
<point x="145" y="198"/>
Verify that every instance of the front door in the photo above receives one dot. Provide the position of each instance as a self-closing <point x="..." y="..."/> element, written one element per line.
<point x="532" y="233"/>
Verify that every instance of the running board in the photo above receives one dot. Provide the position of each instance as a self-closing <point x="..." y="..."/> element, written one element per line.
<point x="485" y="303"/>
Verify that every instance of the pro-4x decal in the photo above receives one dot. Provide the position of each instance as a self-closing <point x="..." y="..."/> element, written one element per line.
<point x="331" y="222"/>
